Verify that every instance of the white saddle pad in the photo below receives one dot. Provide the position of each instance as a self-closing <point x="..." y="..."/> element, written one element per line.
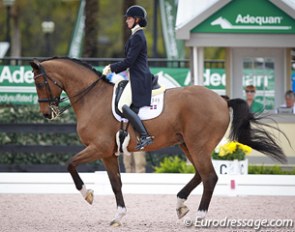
<point x="146" y="112"/>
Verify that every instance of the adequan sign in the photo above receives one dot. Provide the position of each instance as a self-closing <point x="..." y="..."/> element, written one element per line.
<point x="248" y="16"/>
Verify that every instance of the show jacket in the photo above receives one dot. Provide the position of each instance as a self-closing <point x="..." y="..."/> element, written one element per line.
<point x="140" y="75"/>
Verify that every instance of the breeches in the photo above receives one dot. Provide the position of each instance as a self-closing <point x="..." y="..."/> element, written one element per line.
<point x="126" y="97"/>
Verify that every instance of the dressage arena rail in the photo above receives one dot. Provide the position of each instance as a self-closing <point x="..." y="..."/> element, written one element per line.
<point x="53" y="128"/>
<point x="49" y="128"/>
<point x="146" y="183"/>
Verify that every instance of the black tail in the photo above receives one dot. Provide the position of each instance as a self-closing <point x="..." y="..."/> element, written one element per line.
<point x="257" y="138"/>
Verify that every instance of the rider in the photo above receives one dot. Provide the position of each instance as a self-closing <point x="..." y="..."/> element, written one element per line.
<point x="138" y="91"/>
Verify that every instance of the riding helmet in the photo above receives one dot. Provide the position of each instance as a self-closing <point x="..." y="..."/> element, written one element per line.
<point x="137" y="12"/>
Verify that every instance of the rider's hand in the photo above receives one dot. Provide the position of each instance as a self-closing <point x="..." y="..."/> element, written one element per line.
<point x="106" y="70"/>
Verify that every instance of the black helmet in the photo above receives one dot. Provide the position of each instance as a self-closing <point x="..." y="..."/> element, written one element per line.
<point x="137" y="12"/>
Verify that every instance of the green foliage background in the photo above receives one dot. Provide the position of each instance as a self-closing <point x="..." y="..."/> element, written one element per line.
<point x="178" y="164"/>
<point x="29" y="15"/>
<point x="31" y="114"/>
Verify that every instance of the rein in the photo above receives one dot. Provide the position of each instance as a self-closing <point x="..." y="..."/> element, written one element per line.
<point x="54" y="101"/>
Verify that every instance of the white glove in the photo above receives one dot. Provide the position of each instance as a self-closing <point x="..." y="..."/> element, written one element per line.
<point x="106" y="70"/>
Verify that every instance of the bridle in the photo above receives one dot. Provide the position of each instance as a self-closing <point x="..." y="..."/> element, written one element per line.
<point x="54" y="101"/>
<point x="51" y="100"/>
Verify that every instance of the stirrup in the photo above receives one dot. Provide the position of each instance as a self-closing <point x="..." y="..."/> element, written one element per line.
<point x="144" y="141"/>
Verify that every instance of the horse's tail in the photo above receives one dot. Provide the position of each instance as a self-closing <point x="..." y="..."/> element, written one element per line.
<point x="257" y="138"/>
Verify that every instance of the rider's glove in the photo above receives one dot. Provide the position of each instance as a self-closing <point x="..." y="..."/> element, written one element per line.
<point x="106" y="70"/>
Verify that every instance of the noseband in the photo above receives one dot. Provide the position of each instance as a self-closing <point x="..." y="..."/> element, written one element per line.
<point x="51" y="100"/>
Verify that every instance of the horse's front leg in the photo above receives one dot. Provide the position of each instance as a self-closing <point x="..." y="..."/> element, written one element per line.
<point x="85" y="156"/>
<point x="113" y="170"/>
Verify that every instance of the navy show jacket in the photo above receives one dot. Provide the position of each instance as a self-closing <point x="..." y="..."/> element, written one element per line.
<point x="139" y="72"/>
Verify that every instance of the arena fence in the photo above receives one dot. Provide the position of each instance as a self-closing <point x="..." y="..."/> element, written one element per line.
<point x="58" y="128"/>
<point x="146" y="183"/>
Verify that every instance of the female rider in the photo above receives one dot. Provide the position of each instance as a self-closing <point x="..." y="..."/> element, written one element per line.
<point x="138" y="91"/>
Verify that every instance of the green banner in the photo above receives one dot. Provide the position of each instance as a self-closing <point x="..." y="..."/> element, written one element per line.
<point x="215" y="80"/>
<point x="174" y="47"/>
<point x="251" y="16"/>
<point x="17" y="82"/>
<point x="78" y="34"/>
<point x="17" y="85"/>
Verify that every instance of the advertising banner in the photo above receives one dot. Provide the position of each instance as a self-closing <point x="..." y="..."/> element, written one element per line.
<point x="244" y="17"/>
<point x="17" y="82"/>
<point x="17" y="85"/>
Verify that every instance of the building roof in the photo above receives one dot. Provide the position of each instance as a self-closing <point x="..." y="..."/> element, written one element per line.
<point x="189" y="17"/>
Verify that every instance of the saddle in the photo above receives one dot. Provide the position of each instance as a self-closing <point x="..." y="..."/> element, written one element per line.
<point x="146" y="112"/>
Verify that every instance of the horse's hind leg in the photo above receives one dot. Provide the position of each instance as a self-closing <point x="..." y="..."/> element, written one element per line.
<point x="203" y="163"/>
<point x="183" y="194"/>
<point x="200" y="156"/>
<point x="113" y="170"/>
<point x="85" y="156"/>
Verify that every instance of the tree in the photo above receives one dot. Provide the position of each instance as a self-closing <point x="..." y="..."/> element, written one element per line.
<point x="126" y="5"/>
<point x="91" y="28"/>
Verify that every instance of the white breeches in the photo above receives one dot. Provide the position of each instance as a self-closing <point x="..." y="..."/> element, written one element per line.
<point x="126" y="97"/>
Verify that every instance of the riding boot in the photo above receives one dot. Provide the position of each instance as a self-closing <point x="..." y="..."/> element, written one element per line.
<point x="145" y="138"/>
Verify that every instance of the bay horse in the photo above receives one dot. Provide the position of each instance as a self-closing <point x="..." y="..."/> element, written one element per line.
<point x="194" y="117"/>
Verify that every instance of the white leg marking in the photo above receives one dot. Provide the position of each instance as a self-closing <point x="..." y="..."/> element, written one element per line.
<point x="201" y="214"/>
<point x="180" y="203"/>
<point x="83" y="191"/>
<point x="181" y="208"/>
<point x="121" y="212"/>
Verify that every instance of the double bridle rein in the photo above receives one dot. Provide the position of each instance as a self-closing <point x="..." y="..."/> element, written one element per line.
<point x="54" y="101"/>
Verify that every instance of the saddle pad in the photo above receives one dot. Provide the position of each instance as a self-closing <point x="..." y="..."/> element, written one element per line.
<point x="146" y="112"/>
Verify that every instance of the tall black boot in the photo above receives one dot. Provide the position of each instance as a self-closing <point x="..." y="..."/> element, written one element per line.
<point x="145" y="138"/>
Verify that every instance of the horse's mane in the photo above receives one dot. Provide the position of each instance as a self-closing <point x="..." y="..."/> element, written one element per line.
<point x="83" y="63"/>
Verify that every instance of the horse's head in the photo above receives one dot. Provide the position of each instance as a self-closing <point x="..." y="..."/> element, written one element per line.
<point x="48" y="91"/>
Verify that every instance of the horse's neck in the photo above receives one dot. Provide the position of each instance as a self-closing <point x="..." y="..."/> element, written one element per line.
<point x="77" y="82"/>
<point x="86" y="105"/>
<point x="75" y="79"/>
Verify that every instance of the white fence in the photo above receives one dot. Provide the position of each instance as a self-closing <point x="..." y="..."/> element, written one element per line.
<point x="146" y="183"/>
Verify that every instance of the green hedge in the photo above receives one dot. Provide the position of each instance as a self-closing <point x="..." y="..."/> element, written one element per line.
<point x="31" y="114"/>
<point x="275" y="170"/>
<point x="178" y="165"/>
<point x="174" y="165"/>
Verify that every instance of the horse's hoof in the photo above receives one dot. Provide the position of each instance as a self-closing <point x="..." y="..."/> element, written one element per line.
<point x="182" y="211"/>
<point x="89" y="196"/>
<point x="115" y="223"/>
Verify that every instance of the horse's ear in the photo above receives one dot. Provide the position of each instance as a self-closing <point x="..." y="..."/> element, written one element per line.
<point x="35" y="64"/>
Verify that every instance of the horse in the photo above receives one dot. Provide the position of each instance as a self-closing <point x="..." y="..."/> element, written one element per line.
<point x="194" y="118"/>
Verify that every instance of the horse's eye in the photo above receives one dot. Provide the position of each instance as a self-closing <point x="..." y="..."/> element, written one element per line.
<point x="39" y="85"/>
